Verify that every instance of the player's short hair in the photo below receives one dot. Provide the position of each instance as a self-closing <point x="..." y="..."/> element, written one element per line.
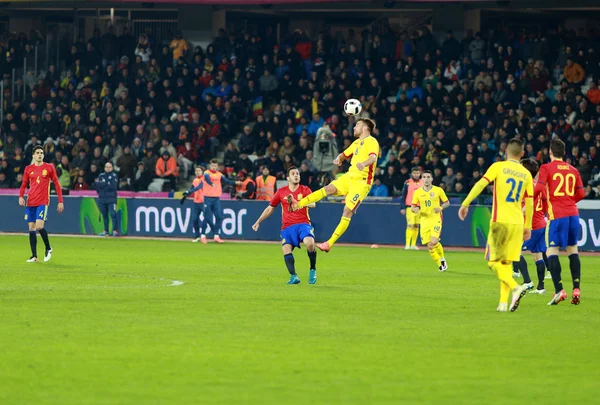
<point x="416" y="169"/>
<point x="515" y="147"/>
<point x="287" y="173"/>
<point x="37" y="147"/>
<point x="368" y="122"/>
<point x="427" y="172"/>
<point x="213" y="161"/>
<point x="532" y="166"/>
<point x="558" y="148"/>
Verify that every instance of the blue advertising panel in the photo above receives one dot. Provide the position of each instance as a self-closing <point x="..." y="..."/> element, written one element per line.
<point x="379" y="223"/>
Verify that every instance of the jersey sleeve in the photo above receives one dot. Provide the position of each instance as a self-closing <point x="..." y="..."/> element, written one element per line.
<point x="443" y="196"/>
<point x="57" y="187"/>
<point x="491" y="173"/>
<point x="276" y="199"/>
<point x="348" y="152"/>
<point x="372" y="147"/>
<point x="579" y="189"/>
<point x="24" y="183"/>
<point x="415" y="199"/>
<point x="543" y="175"/>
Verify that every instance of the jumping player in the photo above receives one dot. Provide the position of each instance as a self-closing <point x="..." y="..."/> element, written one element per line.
<point x="564" y="189"/>
<point x="412" y="219"/>
<point x="354" y="185"/>
<point x="38" y="176"/>
<point x="512" y="184"/>
<point x="198" y="195"/>
<point x="426" y="202"/>
<point x="537" y="243"/>
<point x="295" y="226"/>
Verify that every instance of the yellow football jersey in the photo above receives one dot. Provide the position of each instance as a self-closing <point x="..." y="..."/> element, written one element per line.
<point x="512" y="183"/>
<point x="428" y="201"/>
<point x="360" y="150"/>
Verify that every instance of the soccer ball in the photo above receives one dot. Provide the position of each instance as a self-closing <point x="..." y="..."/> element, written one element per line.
<point x="352" y="107"/>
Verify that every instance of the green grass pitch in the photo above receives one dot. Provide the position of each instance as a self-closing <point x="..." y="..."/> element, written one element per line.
<point x="102" y="324"/>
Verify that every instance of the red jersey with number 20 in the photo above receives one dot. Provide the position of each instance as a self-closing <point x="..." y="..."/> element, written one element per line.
<point x="38" y="178"/>
<point x="291" y="218"/>
<point x="563" y="186"/>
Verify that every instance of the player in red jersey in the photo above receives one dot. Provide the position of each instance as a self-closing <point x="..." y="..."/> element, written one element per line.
<point x="295" y="226"/>
<point x="38" y="176"/>
<point x="537" y="243"/>
<point x="564" y="189"/>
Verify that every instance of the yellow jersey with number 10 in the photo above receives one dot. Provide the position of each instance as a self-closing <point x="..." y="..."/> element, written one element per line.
<point x="361" y="150"/>
<point x="512" y="183"/>
<point x="428" y="201"/>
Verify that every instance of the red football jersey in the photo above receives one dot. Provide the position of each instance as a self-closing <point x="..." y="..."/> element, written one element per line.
<point x="291" y="218"/>
<point x="540" y="207"/>
<point x="564" y="188"/>
<point x="38" y="178"/>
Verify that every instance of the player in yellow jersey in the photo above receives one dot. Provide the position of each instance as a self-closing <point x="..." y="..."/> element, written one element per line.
<point x="355" y="184"/>
<point x="427" y="200"/>
<point x="512" y="185"/>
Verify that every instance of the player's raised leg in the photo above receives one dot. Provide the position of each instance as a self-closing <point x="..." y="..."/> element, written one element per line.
<point x="312" y="198"/>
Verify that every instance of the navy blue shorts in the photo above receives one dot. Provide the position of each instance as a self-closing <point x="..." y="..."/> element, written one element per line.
<point x="295" y="234"/>
<point x="537" y="242"/>
<point x="33" y="214"/>
<point x="563" y="232"/>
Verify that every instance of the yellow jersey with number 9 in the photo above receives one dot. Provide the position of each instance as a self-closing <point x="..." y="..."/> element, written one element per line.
<point x="512" y="183"/>
<point x="428" y="201"/>
<point x="361" y="150"/>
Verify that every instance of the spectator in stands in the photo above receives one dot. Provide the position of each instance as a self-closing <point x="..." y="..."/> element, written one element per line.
<point x="378" y="189"/>
<point x="573" y="73"/>
<point x="166" y="168"/>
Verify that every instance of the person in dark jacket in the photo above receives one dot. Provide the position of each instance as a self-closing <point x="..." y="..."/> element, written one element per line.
<point x="106" y="186"/>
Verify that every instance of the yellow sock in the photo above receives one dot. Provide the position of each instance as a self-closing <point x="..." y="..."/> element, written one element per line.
<point x="312" y="198"/>
<point x="339" y="230"/>
<point x="409" y="234"/>
<point x="433" y="252"/>
<point x="440" y="251"/>
<point x="504" y="292"/>
<point x="504" y="274"/>
<point x="415" y="236"/>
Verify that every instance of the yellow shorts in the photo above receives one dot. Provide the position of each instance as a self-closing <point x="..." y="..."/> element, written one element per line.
<point x="411" y="217"/>
<point x="430" y="228"/>
<point x="504" y="242"/>
<point x="353" y="187"/>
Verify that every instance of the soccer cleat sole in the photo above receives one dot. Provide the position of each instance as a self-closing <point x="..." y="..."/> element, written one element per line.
<point x="576" y="298"/>
<point x="516" y="304"/>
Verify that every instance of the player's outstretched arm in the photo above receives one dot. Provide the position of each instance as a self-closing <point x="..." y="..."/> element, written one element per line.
<point x="475" y="191"/>
<point x="265" y="214"/>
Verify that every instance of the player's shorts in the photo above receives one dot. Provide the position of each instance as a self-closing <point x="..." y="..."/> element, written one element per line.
<point x="411" y="217"/>
<point x="429" y="229"/>
<point x="537" y="242"/>
<point x="36" y="213"/>
<point x="354" y="186"/>
<point x="563" y="232"/>
<point x="504" y="242"/>
<point x="295" y="234"/>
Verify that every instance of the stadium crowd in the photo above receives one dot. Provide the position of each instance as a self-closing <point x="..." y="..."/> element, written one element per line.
<point x="156" y="110"/>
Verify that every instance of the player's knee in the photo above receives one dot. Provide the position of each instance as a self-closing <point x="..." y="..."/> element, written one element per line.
<point x="347" y="212"/>
<point x="431" y="245"/>
<point x="330" y="189"/>
<point x="39" y="227"/>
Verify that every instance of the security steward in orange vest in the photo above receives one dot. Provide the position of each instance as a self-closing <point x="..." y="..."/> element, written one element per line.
<point x="245" y="188"/>
<point x="266" y="185"/>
